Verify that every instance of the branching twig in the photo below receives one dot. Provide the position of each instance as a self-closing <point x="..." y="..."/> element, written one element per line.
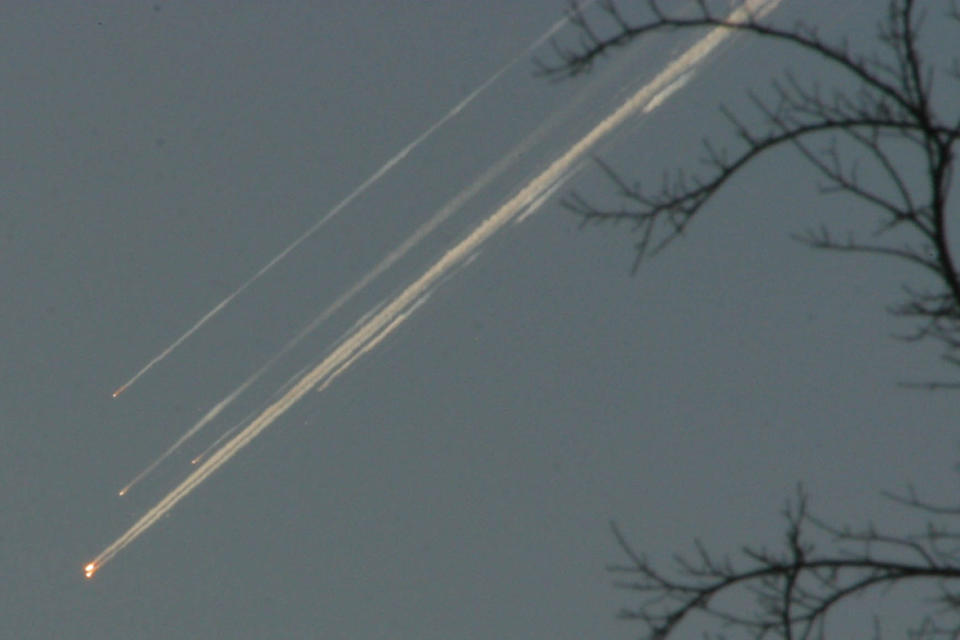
<point x="890" y="109"/>
<point x="798" y="588"/>
<point x="881" y="121"/>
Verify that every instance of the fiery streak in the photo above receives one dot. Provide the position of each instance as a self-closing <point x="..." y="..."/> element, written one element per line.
<point x="391" y="316"/>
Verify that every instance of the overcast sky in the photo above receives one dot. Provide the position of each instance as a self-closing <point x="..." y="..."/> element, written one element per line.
<point x="458" y="480"/>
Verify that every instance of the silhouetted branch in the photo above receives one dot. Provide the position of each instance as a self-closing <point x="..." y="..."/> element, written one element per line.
<point x="881" y="118"/>
<point x="888" y="111"/>
<point x="797" y="588"/>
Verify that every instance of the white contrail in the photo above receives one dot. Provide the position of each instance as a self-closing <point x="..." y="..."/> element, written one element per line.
<point x="668" y="91"/>
<point x="247" y="418"/>
<point x="550" y="189"/>
<point x="443" y="214"/>
<point x="366" y="184"/>
<point x="384" y="322"/>
<point x="439" y="217"/>
<point x="204" y="421"/>
<point x="200" y="424"/>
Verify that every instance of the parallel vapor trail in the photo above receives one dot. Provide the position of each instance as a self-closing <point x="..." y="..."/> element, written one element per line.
<point x="391" y="316"/>
<point x="443" y="214"/>
<point x="364" y="186"/>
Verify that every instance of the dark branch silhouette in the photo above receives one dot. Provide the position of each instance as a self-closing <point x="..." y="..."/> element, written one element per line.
<point x="797" y="587"/>
<point x="888" y="122"/>
<point x="886" y="118"/>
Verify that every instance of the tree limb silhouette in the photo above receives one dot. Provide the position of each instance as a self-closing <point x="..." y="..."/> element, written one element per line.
<point x="796" y="588"/>
<point x="889" y="122"/>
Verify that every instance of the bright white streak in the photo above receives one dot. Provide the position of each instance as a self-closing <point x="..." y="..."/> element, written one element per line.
<point x="534" y="206"/>
<point x="415" y="238"/>
<point x="226" y="434"/>
<point x="366" y="184"/>
<point x="216" y="443"/>
<point x="200" y="424"/>
<point x="667" y="91"/>
<point x="392" y="315"/>
<point x="444" y="213"/>
<point x="373" y="341"/>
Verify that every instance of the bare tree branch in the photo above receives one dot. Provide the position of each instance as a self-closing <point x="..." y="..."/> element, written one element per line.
<point x="798" y="588"/>
<point x="880" y="139"/>
<point x="889" y="110"/>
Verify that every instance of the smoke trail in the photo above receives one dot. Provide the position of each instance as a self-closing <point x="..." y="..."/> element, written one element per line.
<point x="428" y="227"/>
<point x="443" y="214"/>
<point x="366" y="184"/>
<point x="384" y="322"/>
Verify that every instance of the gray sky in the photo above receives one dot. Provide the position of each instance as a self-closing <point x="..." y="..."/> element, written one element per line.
<point x="458" y="480"/>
